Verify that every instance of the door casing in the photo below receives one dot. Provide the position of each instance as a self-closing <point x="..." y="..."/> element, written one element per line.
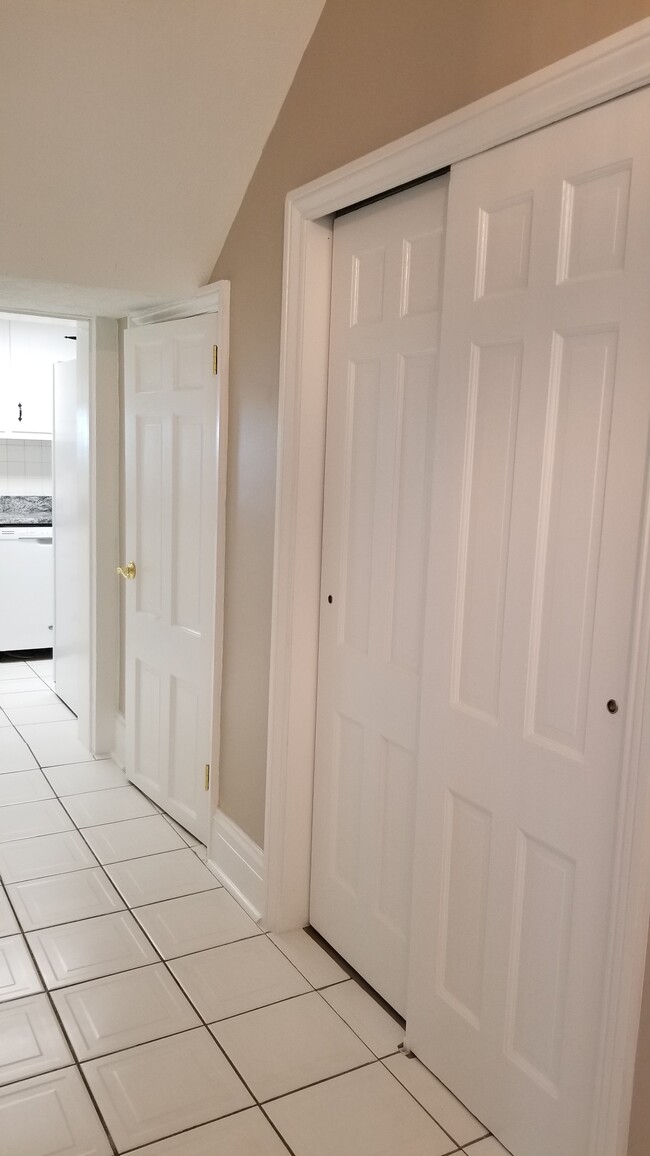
<point x="603" y="71"/>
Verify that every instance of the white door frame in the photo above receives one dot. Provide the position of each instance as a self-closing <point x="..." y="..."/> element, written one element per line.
<point x="610" y="68"/>
<point x="214" y="298"/>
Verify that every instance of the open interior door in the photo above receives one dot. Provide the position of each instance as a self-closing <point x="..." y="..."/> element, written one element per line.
<point x="174" y="420"/>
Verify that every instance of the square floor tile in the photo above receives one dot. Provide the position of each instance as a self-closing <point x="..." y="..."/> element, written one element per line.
<point x="378" y="1030"/>
<point x="154" y="1090"/>
<point x="288" y="1045"/>
<point x="18" y="976"/>
<point x="41" y="697"/>
<point x="8" y="922"/>
<point x="310" y="959"/>
<point x="62" y="898"/>
<point x="362" y="1113"/>
<point x="119" y="1011"/>
<point x="24" y="684"/>
<point x="73" y="952"/>
<point x="488" y="1147"/>
<point x="15" y="670"/>
<point x="436" y="1099"/>
<point x="24" y="820"/>
<point x="54" y="743"/>
<point x="76" y="778"/>
<point x="94" y="808"/>
<point x="44" y="855"/>
<point x="245" y="1134"/>
<point x="31" y="1040"/>
<point x="51" y="712"/>
<point x="237" y="977"/>
<point x="195" y="922"/>
<point x="24" y="787"/>
<point x="157" y="877"/>
<point x="15" y="755"/>
<point x="43" y="667"/>
<point x="187" y="836"/>
<point x="51" y="1114"/>
<point x="132" y="838"/>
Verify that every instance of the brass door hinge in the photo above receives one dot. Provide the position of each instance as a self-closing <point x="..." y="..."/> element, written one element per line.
<point x="207" y="777"/>
<point x="215" y="358"/>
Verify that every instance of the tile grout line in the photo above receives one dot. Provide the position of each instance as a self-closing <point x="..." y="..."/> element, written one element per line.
<point x="202" y="1022"/>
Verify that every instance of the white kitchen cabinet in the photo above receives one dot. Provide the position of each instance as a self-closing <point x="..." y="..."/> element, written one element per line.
<point x="28" y="352"/>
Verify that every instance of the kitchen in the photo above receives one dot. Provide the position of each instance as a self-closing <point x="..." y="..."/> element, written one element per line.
<point x="30" y="346"/>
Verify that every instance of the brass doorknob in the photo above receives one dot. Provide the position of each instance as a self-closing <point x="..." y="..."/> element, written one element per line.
<point x="127" y="571"/>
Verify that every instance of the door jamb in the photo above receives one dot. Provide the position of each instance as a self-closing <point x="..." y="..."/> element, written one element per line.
<point x="608" y="69"/>
<point x="213" y="298"/>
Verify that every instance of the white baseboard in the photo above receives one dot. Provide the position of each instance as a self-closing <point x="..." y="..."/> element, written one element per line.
<point x="238" y="863"/>
<point x="118" y="752"/>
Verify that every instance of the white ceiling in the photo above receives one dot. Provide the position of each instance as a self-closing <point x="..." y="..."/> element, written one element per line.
<point x="129" y="130"/>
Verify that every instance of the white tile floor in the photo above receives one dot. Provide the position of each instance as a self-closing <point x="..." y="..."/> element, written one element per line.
<point x="142" y="1010"/>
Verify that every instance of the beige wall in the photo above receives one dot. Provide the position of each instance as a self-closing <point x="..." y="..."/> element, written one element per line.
<point x="373" y="71"/>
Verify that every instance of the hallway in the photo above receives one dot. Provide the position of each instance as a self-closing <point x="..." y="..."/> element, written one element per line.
<point x="141" y="1009"/>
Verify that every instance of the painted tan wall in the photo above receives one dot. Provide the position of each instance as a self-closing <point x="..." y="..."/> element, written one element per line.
<point x="373" y="71"/>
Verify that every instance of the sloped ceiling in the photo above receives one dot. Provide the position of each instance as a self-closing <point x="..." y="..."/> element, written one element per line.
<point x="129" y="130"/>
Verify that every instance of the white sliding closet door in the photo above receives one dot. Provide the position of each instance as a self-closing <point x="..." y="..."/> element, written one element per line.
<point x="539" y="488"/>
<point x="387" y="270"/>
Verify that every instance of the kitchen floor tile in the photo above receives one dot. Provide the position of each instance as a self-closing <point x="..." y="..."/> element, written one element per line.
<point x="488" y="1147"/>
<point x="14" y="670"/>
<point x="8" y="922"/>
<point x="94" y="808"/>
<point x="157" y="877"/>
<point x="4" y="721"/>
<point x="187" y="836"/>
<point x="18" y="976"/>
<point x="50" y="1115"/>
<point x="245" y="1134"/>
<point x="310" y="959"/>
<point x="74" y="952"/>
<point x="237" y="977"/>
<point x="43" y="667"/>
<point x="288" y="1045"/>
<point x="55" y="712"/>
<point x="15" y="755"/>
<point x="44" y="855"/>
<point x="362" y="1113"/>
<point x="120" y="1011"/>
<point x="77" y="778"/>
<point x="24" y="820"/>
<point x="378" y="1030"/>
<point x="55" y="743"/>
<point x="132" y="838"/>
<point x="24" y="787"/>
<point x="40" y="697"/>
<point x="195" y="922"/>
<point x="62" y="898"/>
<point x="436" y="1099"/>
<point x="156" y="1089"/>
<point x="31" y="1040"/>
<point x="20" y="685"/>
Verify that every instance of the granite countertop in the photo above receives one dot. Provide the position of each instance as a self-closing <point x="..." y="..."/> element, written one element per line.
<point x="27" y="510"/>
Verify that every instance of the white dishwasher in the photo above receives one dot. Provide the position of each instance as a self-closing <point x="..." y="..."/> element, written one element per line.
<point x="26" y="588"/>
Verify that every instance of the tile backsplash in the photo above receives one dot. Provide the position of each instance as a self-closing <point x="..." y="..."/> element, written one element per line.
<point x="25" y="466"/>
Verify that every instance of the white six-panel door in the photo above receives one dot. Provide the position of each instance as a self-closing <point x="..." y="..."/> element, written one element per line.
<point x="387" y="272"/>
<point x="539" y="486"/>
<point x="172" y="406"/>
